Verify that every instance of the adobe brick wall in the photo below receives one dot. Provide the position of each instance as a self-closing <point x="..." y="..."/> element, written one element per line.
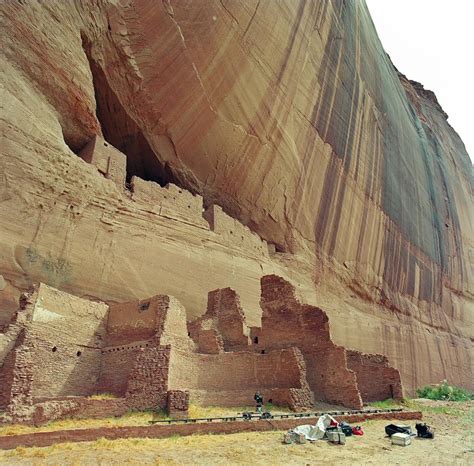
<point x="376" y="379"/>
<point x="288" y="323"/>
<point x="109" y="161"/>
<point x="170" y="202"/>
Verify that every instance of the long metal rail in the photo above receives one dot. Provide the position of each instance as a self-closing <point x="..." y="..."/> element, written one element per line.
<point x="266" y="416"/>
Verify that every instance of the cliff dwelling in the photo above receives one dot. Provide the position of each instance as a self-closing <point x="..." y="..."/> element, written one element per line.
<point x="63" y="350"/>
<point x="202" y="200"/>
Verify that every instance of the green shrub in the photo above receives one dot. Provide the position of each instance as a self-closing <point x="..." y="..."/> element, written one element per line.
<point x="385" y="404"/>
<point x="444" y="392"/>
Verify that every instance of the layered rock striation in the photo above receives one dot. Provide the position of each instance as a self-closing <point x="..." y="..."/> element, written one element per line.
<point x="286" y="123"/>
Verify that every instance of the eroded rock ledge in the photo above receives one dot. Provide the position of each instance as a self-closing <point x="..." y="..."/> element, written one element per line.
<point x="290" y="117"/>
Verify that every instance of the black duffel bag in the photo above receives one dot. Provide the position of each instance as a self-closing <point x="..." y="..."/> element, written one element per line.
<point x="394" y="429"/>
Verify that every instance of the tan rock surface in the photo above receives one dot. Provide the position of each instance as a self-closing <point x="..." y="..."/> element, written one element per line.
<point x="287" y="114"/>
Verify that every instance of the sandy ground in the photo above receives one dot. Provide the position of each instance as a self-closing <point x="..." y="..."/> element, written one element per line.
<point x="453" y="444"/>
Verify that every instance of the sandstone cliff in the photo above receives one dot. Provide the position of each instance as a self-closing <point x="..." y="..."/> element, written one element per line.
<point x="290" y="116"/>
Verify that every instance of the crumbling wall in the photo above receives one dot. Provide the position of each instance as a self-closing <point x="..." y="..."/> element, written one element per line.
<point x="234" y="232"/>
<point x="173" y="328"/>
<point x="161" y="318"/>
<point x="288" y="323"/>
<point x="375" y="378"/>
<point x="223" y="321"/>
<point x="78" y="408"/>
<point x="231" y="379"/>
<point x="142" y="352"/>
<point x="177" y="403"/>
<point x="135" y="320"/>
<point x="208" y="340"/>
<point x="171" y="202"/>
<point x="16" y="377"/>
<point x="148" y="381"/>
<point x="136" y="366"/>
<point x="108" y="160"/>
<point x="64" y="336"/>
<point x="116" y="366"/>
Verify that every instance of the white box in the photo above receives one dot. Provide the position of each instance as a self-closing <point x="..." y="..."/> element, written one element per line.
<point x="401" y="439"/>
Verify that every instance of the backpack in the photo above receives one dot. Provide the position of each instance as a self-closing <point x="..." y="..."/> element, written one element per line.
<point x="397" y="429"/>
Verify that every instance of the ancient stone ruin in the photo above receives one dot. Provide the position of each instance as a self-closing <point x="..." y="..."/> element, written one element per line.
<point x="155" y="151"/>
<point x="63" y="350"/>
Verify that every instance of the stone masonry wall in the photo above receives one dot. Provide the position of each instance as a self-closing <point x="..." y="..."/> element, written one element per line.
<point x="224" y="320"/>
<point x="177" y="403"/>
<point x="148" y="380"/>
<point x="170" y="202"/>
<point x="109" y="161"/>
<point x="160" y="318"/>
<point x="116" y="365"/>
<point x="375" y="378"/>
<point x="230" y="379"/>
<point x="78" y="408"/>
<point x="175" y="203"/>
<point x="173" y="329"/>
<point x="134" y="320"/>
<point x="288" y="323"/>
<point x="65" y="338"/>
<point x="17" y="380"/>
<point x="225" y="304"/>
<point x="233" y="231"/>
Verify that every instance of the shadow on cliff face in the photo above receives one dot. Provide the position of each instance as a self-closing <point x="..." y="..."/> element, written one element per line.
<point x="121" y="131"/>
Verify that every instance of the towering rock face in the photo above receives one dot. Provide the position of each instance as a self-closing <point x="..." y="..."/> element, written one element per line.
<point x="290" y="116"/>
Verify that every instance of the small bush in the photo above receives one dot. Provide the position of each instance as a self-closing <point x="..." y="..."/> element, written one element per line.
<point x="444" y="391"/>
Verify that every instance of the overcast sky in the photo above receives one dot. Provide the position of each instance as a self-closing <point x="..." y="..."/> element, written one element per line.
<point x="432" y="42"/>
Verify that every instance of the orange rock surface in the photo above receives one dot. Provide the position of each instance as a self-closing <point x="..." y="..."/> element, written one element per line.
<point x="287" y="116"/>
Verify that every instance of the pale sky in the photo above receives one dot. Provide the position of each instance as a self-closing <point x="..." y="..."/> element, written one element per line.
<point x="432" y="42"/>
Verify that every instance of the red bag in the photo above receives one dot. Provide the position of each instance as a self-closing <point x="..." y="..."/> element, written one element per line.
<point x="357" y="430"/>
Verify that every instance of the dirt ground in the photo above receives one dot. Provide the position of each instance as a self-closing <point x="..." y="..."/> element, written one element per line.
<point x="453" y="444"/>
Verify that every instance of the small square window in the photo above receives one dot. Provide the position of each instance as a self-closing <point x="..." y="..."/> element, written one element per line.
<point x="144" y="306"/>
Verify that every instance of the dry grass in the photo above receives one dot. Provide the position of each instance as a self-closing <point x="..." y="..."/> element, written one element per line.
<point x="263" y="448"/>
<point x="130" y="419"/>
<point x="103" y="396"/>
<point x="453" y="444"/>
<point x="133" y="418"/>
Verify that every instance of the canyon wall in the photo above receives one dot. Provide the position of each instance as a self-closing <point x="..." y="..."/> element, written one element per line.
<point x="309" y="154"/>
